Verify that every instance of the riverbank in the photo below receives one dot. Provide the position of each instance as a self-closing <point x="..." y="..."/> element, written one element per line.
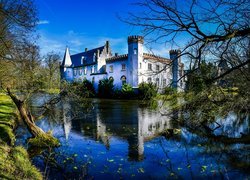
<point x="14" y="160"/>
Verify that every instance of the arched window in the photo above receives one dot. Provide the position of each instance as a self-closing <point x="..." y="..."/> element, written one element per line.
<point x="111" y="78"/>
<point x="149" y="80"/>
<point x="123" y="79"/>
<point x="135" y="50"/>
<point x="157" y="82"/>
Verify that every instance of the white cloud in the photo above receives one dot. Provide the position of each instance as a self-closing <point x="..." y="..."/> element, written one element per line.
<point x="43" y="22"/>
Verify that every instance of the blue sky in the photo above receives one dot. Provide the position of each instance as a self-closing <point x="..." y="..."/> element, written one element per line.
<point x="79" y="24"/>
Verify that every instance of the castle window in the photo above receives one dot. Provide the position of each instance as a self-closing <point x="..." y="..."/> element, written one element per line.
<point x="111" y="78"/>
<point x="164" y="82"/>
<point x="123" y="78"/>
<point x="157" y="67"/>
<point x="149" y="66"/>
<point x="157" y="82"/>
<point x="93" y="69"/>
<point x="135" y="50"/>
<point x="75" y="72"/>
<point x="111" y="68"/>
<point x="82" y="58"/>
<point x="93" y="80"/>
<point x="80" y="71"/>
<point x="94" y="57"/>
<point x="140" y="65"/>
<point x="149" y="80"/>
<point x="123" y="67"/>
<point x="85" y="70"/>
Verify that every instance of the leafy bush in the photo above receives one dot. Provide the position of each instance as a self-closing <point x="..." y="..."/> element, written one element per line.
<point x="127" y="91"/>
<point x="106" y="88"/>
<point x="82" y="89"/>
<point x="169" y="91"/>
<point x="147" y="90"/>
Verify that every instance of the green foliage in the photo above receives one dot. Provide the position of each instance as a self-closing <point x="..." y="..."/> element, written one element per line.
<point x="169" y="91"/>
<point x="127" y="91"/>
<point x="15" y="164"/>
<point x="106" y="88"/>
<point x="200" y="79"/>
<point x="46" y="140"/>
<point x="7" y="122"/>
<point x="14" y="161"/>
<point x="83" y="89"/>
<point x="147" y="91"/>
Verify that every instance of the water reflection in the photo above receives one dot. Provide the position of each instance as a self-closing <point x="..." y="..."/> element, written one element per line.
<point x="111" y="139"/>
<point x="120" y="119"/>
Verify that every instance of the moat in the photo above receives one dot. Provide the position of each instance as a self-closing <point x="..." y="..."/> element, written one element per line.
<point x="113" y="139"/>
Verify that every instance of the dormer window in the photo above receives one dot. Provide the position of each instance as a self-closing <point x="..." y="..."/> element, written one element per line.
<point x="135" y="50"/>
<point x="82" y="59"/>
<point x="94" y="57"/>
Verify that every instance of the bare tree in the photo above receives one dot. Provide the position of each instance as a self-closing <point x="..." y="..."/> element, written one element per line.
<point x="210" y="28"/>
<point x="52" y="61"/>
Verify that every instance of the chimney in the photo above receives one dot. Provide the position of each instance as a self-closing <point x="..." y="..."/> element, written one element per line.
<point x="98" y="53"/>
<point x="107" y="46"/>
<point x="86" y="49"/>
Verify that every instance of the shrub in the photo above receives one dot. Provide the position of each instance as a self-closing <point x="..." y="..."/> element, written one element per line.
<point x="127" y="91"/>
<point x="147" y="91"/>
<point x="82" y="89"/>
<point x="106" y="88"/>
<point x="169" y="91"/>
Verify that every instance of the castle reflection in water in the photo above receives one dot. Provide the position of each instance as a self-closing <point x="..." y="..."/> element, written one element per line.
<point x="120" y="119"/>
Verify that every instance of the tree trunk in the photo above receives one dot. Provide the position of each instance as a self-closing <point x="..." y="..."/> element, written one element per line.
<point x="44" y="139"/>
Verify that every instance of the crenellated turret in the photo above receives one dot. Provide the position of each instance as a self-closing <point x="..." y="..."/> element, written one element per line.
<point x="135" y="57"/>
<point x="175" y="57"/>
<point x="135" y="39"/>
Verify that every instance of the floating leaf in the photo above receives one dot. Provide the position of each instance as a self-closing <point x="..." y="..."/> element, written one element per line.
<point x="203" y="168"/>
<point x="189" y="166"/>
<point x="141" y="170"/>
<point x="171" y="174"/>
<point x="75" y="155"/>
<point x="110" y="160"/>
<point x="199" y="145"/>
<point x="85" y="155"/>
<point x="75" y="167"/>
<point x="167" y="160"/>
<point x="179" y="168"/>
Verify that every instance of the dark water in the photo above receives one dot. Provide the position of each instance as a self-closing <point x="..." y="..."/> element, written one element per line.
<point x="116" y="139"/>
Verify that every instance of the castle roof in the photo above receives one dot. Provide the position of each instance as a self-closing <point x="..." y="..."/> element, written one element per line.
<point x="87" y="56"/>
<point x="117" y="58"/>
<point x="156" y="58"/>
<point x="66" y="59"/>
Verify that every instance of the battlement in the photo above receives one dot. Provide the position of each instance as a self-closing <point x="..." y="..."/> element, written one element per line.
<point x="139" y="39"/>
<point x="174" y="51"/>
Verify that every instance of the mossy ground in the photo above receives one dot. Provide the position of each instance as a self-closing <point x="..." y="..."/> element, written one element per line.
<point x="14" y="161"/>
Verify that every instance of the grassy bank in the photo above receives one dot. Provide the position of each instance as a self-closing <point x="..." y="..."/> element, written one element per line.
<point x="14" y="160"/>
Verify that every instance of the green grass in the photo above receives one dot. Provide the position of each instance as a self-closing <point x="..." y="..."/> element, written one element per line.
<point x="14" y="161"/>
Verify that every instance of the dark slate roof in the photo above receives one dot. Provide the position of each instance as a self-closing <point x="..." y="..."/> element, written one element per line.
<point x="117" y="58"/>
<point x="88" y="57"/>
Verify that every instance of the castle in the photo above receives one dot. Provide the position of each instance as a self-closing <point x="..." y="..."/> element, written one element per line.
<point x="132" y="68"/>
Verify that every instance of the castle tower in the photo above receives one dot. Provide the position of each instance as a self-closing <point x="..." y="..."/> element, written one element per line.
<point x="174" y="56"/>
<point x="66" y="70"/>
<point x="135" y="56"/>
